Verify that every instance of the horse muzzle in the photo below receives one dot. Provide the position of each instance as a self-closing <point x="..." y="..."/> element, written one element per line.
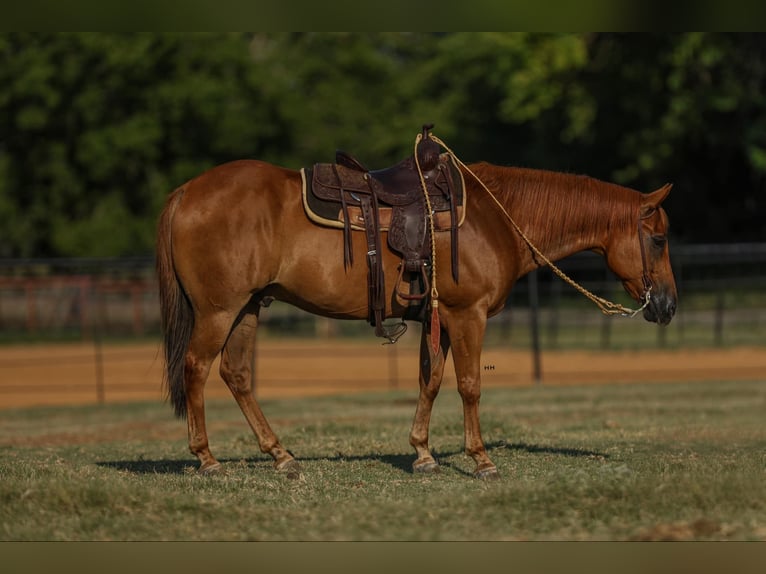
<point x="660" y="309"/>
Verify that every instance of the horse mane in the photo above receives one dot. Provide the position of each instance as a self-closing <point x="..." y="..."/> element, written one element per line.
<point x="561" y="202"/>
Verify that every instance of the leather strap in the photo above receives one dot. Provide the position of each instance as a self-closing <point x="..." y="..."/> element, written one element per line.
<point x="375" y="278"/>
<point x="645" y="279"/>
<point x="348" y="247"/>
<point x="453" y="222"/>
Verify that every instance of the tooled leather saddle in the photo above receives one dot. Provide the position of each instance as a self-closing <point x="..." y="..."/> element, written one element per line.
<point x="348" y="196"/>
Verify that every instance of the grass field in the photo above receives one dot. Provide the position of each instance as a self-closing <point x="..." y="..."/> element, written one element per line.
<point x="679" y="461"/>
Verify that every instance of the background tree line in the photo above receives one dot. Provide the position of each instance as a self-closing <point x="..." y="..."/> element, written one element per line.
<point x="97" y="129"/>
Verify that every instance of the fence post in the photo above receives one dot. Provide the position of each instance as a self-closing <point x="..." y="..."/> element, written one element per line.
<point x="98" y="355"/>
<point x="534" y="308"/>
<point x="83" y="300"/>
<point x="553" y="323"/>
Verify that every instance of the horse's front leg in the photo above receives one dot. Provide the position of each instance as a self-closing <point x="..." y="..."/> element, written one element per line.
<point x="431" y="372"/>
<point x="467" y="336"/>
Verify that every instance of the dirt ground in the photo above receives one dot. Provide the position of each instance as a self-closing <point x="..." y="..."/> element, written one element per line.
<point x="36" y="375"/>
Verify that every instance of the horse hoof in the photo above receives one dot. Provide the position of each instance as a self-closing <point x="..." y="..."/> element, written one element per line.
<point x="290" y="468"/>
<point x="487" y="473"/>
<point x="426" y="467"/>
<point x="211" y="468"/>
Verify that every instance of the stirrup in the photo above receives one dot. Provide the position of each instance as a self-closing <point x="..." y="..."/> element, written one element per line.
<point x="390" y="332"/>
<point x="417" y="296"/>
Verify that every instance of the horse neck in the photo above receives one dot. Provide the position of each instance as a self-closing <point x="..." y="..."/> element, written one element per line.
<point x="562" y="214"/>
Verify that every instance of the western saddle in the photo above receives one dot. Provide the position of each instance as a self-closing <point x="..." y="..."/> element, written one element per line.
<point x="347" y="195"/>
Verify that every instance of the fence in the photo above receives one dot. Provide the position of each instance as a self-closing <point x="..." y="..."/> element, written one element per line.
<point x="722" y="302"/>
<point x="71" y="299"/>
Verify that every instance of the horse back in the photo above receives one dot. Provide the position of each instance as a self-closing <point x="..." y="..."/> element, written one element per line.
<point x="225" y="220"/>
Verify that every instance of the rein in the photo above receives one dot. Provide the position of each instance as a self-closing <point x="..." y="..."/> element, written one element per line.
<point x="607" y="307"/>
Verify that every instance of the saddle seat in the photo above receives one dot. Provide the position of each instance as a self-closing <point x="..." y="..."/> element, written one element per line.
<point x="347" y="195"/>
<point x="397" y="185"/>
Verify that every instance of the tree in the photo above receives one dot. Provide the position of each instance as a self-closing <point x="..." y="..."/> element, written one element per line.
<point x="686" y="108"/>
<point x="351" y="91"/>
<point x="97" y="129"/>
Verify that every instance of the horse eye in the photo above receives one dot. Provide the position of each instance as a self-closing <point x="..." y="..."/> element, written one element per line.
<point x="659" y="240"/>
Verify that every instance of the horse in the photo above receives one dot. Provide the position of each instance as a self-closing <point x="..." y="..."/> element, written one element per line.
<point x="236" y="237"/>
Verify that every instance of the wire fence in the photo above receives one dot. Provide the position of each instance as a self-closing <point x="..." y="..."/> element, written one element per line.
<point x="90" y="303"/>
<point x="722" y="302"/>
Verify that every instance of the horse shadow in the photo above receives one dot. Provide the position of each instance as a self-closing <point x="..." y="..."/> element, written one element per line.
<point x="401" y="462"/>
<point x="398" y="461"/>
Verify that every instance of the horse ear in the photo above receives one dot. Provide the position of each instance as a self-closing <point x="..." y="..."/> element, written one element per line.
<point x="651" y="201"/>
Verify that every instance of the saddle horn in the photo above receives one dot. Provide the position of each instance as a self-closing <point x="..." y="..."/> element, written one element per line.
<point x="428" y="150"/>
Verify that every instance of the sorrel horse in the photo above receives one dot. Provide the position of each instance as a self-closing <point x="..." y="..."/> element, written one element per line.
<point x="237" y="236"/>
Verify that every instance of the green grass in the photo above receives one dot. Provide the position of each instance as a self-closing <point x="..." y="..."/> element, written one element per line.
<point x="675" y="461"/>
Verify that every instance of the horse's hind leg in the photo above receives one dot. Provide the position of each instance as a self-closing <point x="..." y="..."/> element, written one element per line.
<point x="236" y="371"/>
<point x="431" y="372"/>
<point x="206" y="342"/>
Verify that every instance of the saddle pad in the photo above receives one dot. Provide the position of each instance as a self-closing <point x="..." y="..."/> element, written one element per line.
<point x="330" y="214"/>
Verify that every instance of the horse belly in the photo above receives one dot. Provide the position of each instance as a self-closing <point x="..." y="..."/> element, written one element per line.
<point x="314" y="278"/>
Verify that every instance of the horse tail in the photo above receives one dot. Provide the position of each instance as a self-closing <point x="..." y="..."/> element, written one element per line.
<point x="177" y="317"/>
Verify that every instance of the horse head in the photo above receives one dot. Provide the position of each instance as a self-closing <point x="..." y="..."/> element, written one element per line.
<point x="639" y="256"/>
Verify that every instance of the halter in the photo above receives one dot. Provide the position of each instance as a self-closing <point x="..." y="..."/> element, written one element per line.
<point x="645" y="278"/>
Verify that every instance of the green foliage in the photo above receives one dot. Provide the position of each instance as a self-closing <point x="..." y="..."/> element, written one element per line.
<point x="97" y="129"/>
<point x="100" y="127"/>
<point x="686" y="108"/>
